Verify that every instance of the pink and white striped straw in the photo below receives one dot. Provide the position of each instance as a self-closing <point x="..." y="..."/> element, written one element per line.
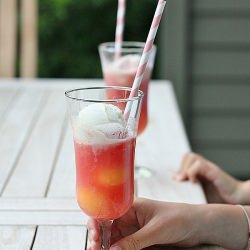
<point x="119" y="27"/>
<point x="145" y="55"/>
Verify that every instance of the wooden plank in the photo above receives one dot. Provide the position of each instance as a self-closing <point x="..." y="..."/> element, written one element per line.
<point x="28" y="58"/>
<point x="169" y="146"/>
<point x="23" y="109"/>
<point x="38" y="156"/>
<point x="220" y="63"/>
<point x="38" y="204"/>
<point x="16" y="237"/>
<point x="227" y="129"/>
<point x="171" y="190"/>
<point x="26" y="218"/>
<point x="6" y="96"/>
<point x="220" y="95"/>
<point x="221" y="5"/>
<point x="233" y="160"/>
<point x="160" y="122"/>
<point x="63" y="179"/>
<point x="15" y="130"/>
<point x="8" y="30"/>
<point x="219" y="30"/>
<point x="63" y="238"/>
<point x="47" y="237"/>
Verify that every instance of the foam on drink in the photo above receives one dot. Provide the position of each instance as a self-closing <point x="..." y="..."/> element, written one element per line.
<point x="99" y="124"/>
<point x="122" y="71"/>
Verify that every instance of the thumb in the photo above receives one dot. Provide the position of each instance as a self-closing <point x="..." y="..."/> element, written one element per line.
<point x="136" y="241"/>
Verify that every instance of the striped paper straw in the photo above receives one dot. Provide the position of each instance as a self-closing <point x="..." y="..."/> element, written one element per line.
<point x="119" y="27"/>
<point x="145" y="55"/>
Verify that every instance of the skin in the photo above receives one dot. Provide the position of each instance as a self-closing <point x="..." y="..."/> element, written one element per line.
<point x="150" y="222"/>
<point x="142" y="224"/>
<point x="219" y="187"/>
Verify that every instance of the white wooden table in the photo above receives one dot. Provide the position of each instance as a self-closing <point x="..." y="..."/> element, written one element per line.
<point x="37" y="175"/>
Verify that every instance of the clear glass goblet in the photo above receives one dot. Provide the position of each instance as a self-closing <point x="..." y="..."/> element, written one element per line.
<point x="104" y="143"/>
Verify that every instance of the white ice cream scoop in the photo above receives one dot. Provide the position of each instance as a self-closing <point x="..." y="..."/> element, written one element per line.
<point x="98" y="123"/>
<point x="100" y="114"/>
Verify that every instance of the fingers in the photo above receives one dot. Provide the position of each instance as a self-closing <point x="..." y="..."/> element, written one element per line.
<point x="193" y="166"/>
<point x="94" y="241"/>
<point x="131" y="242"/>
<point x="148" y="233"/>
<point x="194" y="170"/>
<point x="136" y="241"/>
<point x="187" y="161"/>
<point x="94" y="229"/>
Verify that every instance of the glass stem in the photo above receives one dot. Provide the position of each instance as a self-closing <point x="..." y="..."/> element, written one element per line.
<point x="105" y="227"/>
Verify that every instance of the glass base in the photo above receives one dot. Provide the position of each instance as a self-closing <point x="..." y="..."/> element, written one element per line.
<point x="105" y="232"/>
<point x="142" y="172"/>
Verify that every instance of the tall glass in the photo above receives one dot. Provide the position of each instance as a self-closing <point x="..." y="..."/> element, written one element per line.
<point x="120" y="69"/>
<point x="104" y="151"/>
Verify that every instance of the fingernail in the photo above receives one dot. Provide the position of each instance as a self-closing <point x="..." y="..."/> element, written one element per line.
<point x="115" y="248"/>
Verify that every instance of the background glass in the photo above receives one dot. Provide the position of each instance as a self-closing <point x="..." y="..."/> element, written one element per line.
<point x="120" y="71"/>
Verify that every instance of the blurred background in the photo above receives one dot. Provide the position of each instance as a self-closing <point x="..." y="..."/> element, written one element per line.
<point x="203" y="48"/>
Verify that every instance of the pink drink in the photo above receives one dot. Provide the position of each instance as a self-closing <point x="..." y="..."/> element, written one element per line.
<point x="105" y="178"/>
<point x="122" y="73"/>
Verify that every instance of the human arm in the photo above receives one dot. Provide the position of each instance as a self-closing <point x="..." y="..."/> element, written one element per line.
<point x="151" y="222"/>
<point x="218" y="186"/>
<point x="226" y="226"/>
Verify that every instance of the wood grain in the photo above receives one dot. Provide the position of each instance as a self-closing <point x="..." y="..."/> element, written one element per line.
<point x="15" y="129"/>
<point x="63" y="238"/>
<point x="38" y="204"/>
<point x="8" y="34"/>
<point x="16" y="237"/>
<point x="161" y="148"/>
<point x="6" y="101"/>
<point x="29" y="38"/>
<point x="63" y="179"/>
<point x="38" y="156"/>
<point x="43" y="218"/>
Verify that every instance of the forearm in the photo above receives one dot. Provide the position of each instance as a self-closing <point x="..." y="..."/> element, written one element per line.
<point x="224" y="225"/>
